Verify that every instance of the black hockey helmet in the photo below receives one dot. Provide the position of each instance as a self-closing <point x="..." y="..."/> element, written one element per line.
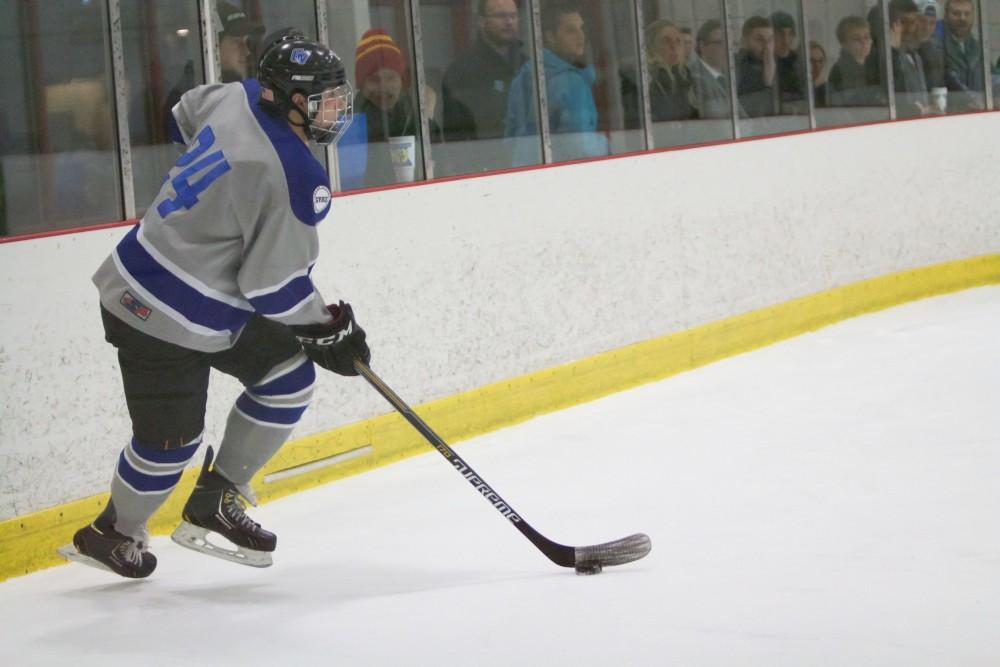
<point x="292" y="63"/>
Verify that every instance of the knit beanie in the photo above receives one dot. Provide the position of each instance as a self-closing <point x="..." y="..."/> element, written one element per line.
<point x="376" y="51"/>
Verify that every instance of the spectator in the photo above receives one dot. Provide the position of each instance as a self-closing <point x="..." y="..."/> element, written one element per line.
<point x="477" y="82"/>
<point x="817" y="72"/>
<point x="792" y="76"/>
<point x="963" y="57"/>
<point x="670" y="94"/>
<point x="237" y="43"/>
<point x="688" y="38"/>
<point x="756" y="68"/>
<point x="236" y="37"/>
<point x="384" y="105"/>
<point x="908" y="66"/>
<point x="930" y="49"/>
<point x="569" y="81"/>
<point x="711" y="87"/>
<point x="909" y="81"/>
<point x="850" y="83"/>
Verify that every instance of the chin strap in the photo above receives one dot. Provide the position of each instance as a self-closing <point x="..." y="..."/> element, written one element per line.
<point x="283" y="105"/>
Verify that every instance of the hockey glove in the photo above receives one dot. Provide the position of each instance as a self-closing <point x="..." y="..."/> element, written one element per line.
<point x="335" y="345"/>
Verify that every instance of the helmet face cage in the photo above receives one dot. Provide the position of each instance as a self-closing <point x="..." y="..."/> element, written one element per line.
<point x="330" y="113"/>
<point x="293" y="64"/>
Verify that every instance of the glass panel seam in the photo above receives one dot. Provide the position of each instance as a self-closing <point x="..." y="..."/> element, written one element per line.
<point x="412" y="10"/>
<point x="644" y="81"/>
<point x="323" y="33"/>
<point x="209" y="43"/>
<point x="890" y="77"/>
<point x="117" y="52"/>
<point x="734" y="100"/>
<point x="805" y="51"/>
<point x="984" y="41"/>
<point x="540" y="84"/>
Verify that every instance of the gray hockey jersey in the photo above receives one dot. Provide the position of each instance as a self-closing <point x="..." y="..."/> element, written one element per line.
<point x="231" y="232"/>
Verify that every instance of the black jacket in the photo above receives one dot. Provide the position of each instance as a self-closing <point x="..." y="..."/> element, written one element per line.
<point x="474" y="92"/>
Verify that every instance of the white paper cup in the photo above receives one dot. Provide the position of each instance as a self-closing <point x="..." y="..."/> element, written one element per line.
<point x="939" y="99"/>
<point x="403" y="151"/>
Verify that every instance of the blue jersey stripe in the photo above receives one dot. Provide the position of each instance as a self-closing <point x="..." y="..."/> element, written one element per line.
<point x="171" y="290"/>
<point x="264" y="413"/>
<point x="303" y="172"/>
<point x="290" y="294"/>
<point x="299" y="379"/>
<point x="141" y="481"/>
<point x="174" y="129"/>
<point x="153" y="454"/>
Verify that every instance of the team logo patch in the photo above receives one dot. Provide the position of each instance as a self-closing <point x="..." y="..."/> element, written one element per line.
<point x="300" y="56"/>
<point x="321" y="198"/>
<point x="136" y="307"/>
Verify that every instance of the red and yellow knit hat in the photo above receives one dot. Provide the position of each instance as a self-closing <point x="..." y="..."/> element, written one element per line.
<point x="376" y="51"/>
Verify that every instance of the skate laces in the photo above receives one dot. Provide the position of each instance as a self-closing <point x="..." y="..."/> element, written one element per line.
<point x="130" y="551"/>
<point x="234" y="506"/>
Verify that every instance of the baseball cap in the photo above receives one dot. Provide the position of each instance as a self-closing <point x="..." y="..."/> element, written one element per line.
<point x="929" y="8"/>
<point x="235" y="22"/>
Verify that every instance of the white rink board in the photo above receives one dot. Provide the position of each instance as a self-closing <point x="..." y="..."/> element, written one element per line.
<point x="467" y="282"/>
<point x="826" y="501"/>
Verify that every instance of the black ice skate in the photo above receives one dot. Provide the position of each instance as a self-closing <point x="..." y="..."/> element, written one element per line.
<point x="100" y="545"/>
<point x="216" y="505"/>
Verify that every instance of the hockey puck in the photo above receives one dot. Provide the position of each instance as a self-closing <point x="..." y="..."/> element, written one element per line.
<point x="589" y="568"/>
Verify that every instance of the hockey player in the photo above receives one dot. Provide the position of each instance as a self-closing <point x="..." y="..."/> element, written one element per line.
<point x="217" y="275"/>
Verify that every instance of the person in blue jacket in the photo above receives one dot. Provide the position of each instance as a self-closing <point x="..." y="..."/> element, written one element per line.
<point x="571" y="110"/>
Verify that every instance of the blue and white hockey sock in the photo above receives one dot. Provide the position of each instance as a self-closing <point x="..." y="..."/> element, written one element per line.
<point x="263" y="418"/>
<point x="144" y="478"/>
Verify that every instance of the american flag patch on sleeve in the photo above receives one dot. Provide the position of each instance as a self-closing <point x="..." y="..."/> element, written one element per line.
<point x="134" y="306"/>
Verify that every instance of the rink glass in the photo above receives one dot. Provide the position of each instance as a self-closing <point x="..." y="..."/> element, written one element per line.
<point x="383" y="145"/>
<point x="57" y="121"/>
<point x="846" y="105"/>
<point x="80" y="145"/>
<point x="711" y="98"/>
<point x="779" y="108"/>
<point x="163" y="59"/>
<point x="471" y="109"/>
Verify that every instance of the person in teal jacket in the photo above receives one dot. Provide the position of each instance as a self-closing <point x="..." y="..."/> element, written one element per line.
<point x="571" y="110"/>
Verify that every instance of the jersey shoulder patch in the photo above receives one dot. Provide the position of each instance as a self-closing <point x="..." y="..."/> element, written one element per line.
<point x="308" y="183"/>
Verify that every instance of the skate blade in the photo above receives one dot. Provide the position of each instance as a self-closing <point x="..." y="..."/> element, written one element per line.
<point x="70" y="553"/>
<point x="195" y="538"/>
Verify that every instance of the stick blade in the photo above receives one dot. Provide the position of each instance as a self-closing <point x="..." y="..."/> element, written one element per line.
<point x="618" y="552"/>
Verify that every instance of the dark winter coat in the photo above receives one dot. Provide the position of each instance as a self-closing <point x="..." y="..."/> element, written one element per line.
<point x="475" y="89"/>
<point x="670" y="93"/>
<point x="851" y="84"/>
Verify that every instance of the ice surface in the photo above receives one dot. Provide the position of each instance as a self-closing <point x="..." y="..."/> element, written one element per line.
<point x="831" y="500"/>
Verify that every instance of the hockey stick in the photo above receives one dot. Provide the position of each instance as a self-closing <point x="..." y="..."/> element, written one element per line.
<point x="587" y="560"/>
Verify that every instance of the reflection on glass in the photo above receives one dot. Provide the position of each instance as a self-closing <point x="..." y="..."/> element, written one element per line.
<point x="163" y="60"/>
<point x="382" y="146"/>
<point x="853" y="88"/>
<point x="689" y="85"/>
<point x="58" y="161"/>
<point x="771" y="72"/>
<point x="479" y="46"/>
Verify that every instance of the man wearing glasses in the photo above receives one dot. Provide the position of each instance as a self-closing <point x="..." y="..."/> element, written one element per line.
<point x="476" y="84"/>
